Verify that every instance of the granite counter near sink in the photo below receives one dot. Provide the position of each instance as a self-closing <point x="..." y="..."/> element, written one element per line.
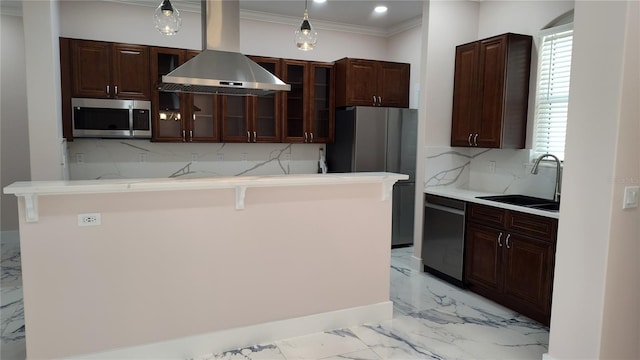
<point x="472" y="196"/>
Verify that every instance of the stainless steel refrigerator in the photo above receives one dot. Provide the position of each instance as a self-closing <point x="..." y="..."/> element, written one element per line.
<point x="380" y="139"/>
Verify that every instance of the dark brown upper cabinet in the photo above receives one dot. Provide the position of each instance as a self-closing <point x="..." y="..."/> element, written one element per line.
<point x="361" y="82"/>
<point x="491" y="92"/>
<point x="109" y="70"/>
<point x="181" y="117"/>
<point x="254" y="118"/>
<point x="308" y="109"/>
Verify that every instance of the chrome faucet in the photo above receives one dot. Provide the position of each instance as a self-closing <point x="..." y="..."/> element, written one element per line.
<point x="556" y="195"/>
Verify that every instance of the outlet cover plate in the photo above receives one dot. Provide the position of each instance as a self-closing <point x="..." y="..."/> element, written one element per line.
<point x="91" y="219"/>
<point x="631" y="194"/>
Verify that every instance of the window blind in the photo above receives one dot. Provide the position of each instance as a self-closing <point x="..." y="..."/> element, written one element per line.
<point x="552" y="95"/>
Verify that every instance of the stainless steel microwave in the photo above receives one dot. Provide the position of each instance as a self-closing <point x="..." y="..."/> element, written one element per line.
<point x="111" y="118"/>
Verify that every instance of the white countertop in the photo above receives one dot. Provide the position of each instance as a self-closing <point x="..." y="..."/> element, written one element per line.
<point x="62" y="187"/>
<point x="30" y="190"/>
<point x="471" y="196"/>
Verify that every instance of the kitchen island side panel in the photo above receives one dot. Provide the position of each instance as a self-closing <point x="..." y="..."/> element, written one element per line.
<point x="166" y="265"/>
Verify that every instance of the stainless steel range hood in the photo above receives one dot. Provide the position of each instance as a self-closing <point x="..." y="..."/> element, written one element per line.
<point x="220" y="68"/>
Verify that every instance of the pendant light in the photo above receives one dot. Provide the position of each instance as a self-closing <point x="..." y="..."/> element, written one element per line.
<point x="306" y="36"/>
<point x="167" y="18"/>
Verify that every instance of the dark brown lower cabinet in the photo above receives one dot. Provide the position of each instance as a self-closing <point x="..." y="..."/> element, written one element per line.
<point x="511" y="264"/>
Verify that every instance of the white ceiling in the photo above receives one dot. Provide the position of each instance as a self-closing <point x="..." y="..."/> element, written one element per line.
<point x="347" y="12"/>
<point x="339" y="14"/>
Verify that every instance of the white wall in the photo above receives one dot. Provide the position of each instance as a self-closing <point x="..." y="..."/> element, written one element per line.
<point x="596" y="312"/>
<point x="621" y="315"/>
<point x="13" y="118"/>
<point x="42" y="54"/>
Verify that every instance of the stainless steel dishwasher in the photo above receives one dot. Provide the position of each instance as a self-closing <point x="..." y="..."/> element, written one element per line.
<point x="443" y="238"/>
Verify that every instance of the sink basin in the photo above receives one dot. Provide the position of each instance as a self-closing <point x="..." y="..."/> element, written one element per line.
<point x="524" y="200"/>
<point x="553" y="206"/>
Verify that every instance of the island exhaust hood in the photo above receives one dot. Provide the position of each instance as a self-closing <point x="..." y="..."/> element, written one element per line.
<point x="220" y="68"/>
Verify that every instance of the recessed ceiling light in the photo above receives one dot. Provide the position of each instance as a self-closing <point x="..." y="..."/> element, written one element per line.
<point x="380" y="9"/>
<point x="319" y="1"/>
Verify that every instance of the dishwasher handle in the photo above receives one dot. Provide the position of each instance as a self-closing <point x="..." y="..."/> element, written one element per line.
<point x="444" y="208"/>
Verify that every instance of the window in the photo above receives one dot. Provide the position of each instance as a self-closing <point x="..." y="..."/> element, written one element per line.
<point x="552" y="94"/>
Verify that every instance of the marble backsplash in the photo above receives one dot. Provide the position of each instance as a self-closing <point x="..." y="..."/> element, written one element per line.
<point x="119" y="159"/>
<point x="504" y="171"/>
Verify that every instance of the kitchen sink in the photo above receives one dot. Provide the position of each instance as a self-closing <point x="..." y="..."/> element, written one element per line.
<point x="524" y="200"/>
<point x="552" y="206"/>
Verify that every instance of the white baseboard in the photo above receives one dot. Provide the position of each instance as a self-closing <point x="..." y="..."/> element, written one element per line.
<point x="224" y="340"/>
<point x="416" y="263"/>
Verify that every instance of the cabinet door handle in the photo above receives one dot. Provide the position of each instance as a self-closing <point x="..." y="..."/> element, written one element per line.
<point x="311" y="140"/>
<point x="115" y="88"/>
<point x="507" y="241"/>
<point x="190" y="134"/>
<point x="500" y="240"/>
<point x="184" y="135"/>
<point x="374" y="100"/>
<point x="131" y="52"/>
<point x="107" y="90"/>
<point x="305" y="136"/>
<point x="475" y="140"/>
<point x="469" y="139"/>
<point x="248" y="136"/>
<point x="255" y="136"/>
<point x="379" y="101"/>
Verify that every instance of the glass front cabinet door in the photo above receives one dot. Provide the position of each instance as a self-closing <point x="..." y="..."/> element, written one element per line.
<point x="181" y="117"/>
<point x="308" y="107"/>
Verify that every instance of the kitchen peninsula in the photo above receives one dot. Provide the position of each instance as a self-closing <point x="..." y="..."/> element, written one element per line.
<point x="175" y="268"/>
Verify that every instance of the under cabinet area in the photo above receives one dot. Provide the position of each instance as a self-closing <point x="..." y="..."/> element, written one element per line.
<point x="491" y="92"/>
<point x="509" y="258"/>
<point x="363" y="82"/>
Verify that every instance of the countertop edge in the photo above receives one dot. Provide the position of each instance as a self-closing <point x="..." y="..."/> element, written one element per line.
<point x="62" y="187"/>
<point x="471" y="196"/>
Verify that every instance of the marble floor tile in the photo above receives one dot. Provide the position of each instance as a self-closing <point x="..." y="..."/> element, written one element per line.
<point x="321" y="345"/>
<point x="367" y="354"/>
<point x="258" y="352"/>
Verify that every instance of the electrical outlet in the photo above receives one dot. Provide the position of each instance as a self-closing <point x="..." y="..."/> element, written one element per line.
<point x="243" y="156"/>
<point x="79" y="158"/>
<point x="631" y="197"/>
<point x="143" y="157"/>
<point x="92" y="219"/>
<point x="194" y="157"/>
<point x="287" y="157"/>
<point x="220" y="156"/>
